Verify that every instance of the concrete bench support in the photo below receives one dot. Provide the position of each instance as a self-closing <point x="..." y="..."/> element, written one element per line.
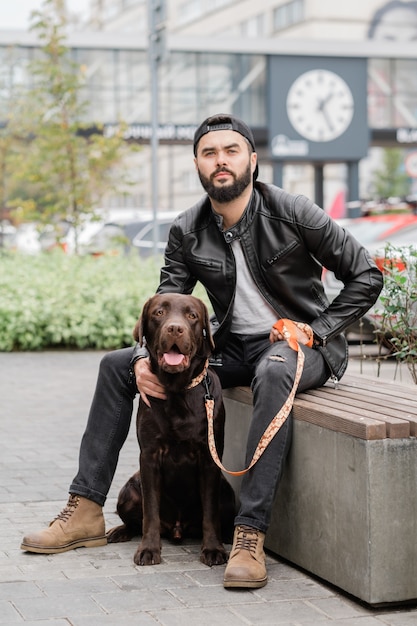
<point x="346" y="508"/>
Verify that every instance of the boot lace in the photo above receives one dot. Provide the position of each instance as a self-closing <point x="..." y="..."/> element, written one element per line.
<point x="247" y="539"/>
<point x="69" y="509"/>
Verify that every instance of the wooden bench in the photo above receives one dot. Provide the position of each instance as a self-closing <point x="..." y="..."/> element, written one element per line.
<point x="346" y="508"/>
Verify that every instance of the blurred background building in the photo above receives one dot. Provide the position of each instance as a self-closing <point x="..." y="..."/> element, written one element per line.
<point x="244" y="57"/>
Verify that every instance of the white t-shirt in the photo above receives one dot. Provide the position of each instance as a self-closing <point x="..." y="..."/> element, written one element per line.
<point x="252" y="314"/>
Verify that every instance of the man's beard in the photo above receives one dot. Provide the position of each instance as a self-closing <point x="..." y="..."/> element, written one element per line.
<point x="226" y="193"/>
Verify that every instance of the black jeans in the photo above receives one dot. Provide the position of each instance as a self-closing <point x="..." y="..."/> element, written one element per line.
<point x="107" y="426"/>
<point x="245" y="361"/>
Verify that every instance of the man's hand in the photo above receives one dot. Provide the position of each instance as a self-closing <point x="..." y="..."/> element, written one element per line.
<point x="275" y="335"/>
<point x="146" y="381"/>
<point x="302" y="337"/>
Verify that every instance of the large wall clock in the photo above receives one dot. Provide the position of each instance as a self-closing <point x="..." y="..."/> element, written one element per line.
<point x="320" y="105"/>
<point x="317" y="108"/>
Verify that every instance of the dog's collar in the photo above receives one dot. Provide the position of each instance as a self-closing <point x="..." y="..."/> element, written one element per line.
<point x="198" y="379"/>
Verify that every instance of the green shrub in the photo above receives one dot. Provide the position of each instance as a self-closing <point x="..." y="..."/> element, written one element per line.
<point x="59" y="301"/>
<point x="398" y="317"/>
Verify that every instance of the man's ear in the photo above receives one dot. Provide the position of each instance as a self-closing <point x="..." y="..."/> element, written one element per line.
<point x="254" y="161"/>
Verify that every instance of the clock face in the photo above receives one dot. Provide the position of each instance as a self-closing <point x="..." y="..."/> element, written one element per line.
<point x="320" y="105"/>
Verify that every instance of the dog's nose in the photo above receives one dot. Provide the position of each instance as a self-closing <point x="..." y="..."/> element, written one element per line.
<point x="175" y="329"/>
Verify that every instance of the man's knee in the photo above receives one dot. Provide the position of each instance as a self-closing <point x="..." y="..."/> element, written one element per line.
<point x="277" y="366"/>
<point x="116" y="361"/>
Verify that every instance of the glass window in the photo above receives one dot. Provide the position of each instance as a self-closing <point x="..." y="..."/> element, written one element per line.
<point x="288" y="14"/>
<point x="193" y="85"/>
<point x="392" y="93"/>
<point x="178" y="91"/>
<point x="133" y="92"/>
<point x="196" y="9"/>
<point x="114" y="82"/>
<point x="197" y="85"/>
<point x="405" y="92"/>
<point x="379" y="93"/>
<point x="253" y="27"/>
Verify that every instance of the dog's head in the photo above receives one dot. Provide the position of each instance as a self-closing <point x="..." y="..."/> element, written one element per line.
<point x="176" y="328"/>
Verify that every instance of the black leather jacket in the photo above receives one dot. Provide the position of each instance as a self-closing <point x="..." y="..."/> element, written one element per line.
<point x="286" y="240"/>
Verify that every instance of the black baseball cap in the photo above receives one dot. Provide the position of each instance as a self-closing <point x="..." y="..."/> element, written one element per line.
<point x="223" y="121"/>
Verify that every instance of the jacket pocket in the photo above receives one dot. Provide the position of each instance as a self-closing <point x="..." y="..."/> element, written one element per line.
<point x="204" y="263"/>
<point x="206" y="270"/>
<point x="280" y="254"/>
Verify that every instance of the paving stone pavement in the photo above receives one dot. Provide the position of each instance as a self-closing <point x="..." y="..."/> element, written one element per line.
<point x="44" y="398"/>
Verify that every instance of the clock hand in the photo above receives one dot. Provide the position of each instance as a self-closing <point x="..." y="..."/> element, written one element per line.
<point x="324" y="101"/>
<point x="322" y="107"/>
<point x="327" y="119"/>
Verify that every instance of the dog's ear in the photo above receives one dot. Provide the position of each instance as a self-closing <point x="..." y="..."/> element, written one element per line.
<point x="139" y="332"/>
<point x="206" y="328"/>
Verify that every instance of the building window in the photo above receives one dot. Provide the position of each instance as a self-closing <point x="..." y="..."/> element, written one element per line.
<point x="392" y="93"/>
<point x="197" y="9"/>
<point x="288" y="14"/>
<point x="254" y="27"/>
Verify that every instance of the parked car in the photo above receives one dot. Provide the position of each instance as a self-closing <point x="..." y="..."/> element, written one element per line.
<point x="121" y="236"/>
<point x="32" y="238"/>
<point x="373" y="232"/>
<point x="405" y="236"/>
<point x="378" y="228"/>
<point x="144" y="238"/>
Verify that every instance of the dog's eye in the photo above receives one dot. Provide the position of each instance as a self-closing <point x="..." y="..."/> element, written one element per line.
<point x="192" y="315"/>
<point x="159" y="312"/>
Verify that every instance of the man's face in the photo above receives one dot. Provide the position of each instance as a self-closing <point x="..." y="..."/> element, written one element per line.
<point x="225" y="164"/>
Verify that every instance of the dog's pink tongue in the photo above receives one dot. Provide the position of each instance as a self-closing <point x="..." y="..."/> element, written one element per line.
<point x="173" y="358"/>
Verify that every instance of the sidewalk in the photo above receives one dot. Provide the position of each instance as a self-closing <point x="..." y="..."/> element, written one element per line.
<point x="44" y="402"/>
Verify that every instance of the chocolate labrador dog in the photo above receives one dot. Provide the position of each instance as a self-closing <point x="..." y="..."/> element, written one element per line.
<point x="179" y="490"/>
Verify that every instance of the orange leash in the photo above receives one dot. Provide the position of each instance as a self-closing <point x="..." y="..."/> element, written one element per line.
<point x="288" y="330"/>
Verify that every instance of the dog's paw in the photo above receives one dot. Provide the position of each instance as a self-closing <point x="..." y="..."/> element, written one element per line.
<point x="217" y="556"/>
<point x="147" y="557"/>
<point x="121" y="533"/>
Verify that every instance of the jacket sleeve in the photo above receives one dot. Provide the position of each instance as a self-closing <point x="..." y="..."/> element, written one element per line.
<point x="338" y="251"/>
<point x="175" y="276"/>
<point x="139" y="352"/>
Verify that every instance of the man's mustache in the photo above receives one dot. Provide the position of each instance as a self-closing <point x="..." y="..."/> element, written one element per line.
<point x="221" y="169"/>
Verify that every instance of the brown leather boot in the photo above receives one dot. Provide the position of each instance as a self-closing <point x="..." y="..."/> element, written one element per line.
<point x="81" y="523"/>
<point x="246" y="566"/>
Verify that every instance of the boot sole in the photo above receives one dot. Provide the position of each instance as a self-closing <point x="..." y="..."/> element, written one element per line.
<point x="245" y="584"/>
<point x="94" y="542"/>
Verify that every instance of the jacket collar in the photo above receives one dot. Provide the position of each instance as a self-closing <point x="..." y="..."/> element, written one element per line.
<point x="239" y="228"/>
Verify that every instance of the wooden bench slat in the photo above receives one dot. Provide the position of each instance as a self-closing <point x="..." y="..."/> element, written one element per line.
<point x="377" y="398"/>
<point x="371" y="401"/>
<point x="397" y="426"/>
<point x="374" y="400"/>
<point x="357" y="426"/>
<point x="389" y="388"/>
<point x="379" y="395"/>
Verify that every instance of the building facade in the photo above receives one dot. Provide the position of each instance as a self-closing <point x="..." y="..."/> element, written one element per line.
<point x="217" y="57"/>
